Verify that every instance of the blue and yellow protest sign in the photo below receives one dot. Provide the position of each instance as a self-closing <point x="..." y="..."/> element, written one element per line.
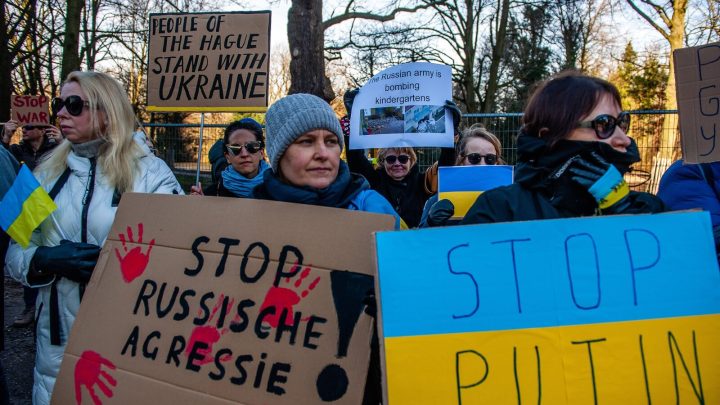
<point x="463" y="184"/>
<point x="614" y="310"/>
<point x="25" y="206"/>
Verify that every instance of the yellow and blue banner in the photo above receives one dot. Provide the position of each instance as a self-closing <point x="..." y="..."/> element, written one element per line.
<point x="616" y="309"/>
<point x="463" y="184"/>
<point x="25" y="205"/>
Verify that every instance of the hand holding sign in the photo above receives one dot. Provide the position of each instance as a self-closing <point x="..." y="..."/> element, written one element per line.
<point x="88" y="371"/>
<point x="133" y="262"/>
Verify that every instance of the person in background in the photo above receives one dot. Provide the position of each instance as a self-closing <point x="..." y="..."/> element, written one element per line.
<point x="244" y="152"/>
<point x="37" y="141"/>
<point x="573" y="150"/>
<point x="86" y="175"/>
<point x="691" y="186"/>
<point x="396" y="177"/>
<point x="477" y="146"/>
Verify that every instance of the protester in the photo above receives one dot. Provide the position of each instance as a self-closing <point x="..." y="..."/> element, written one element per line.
<point x="304" y="142"/>
<point x="691" y="186"/>
<point x="243" y="144"/>
<point x="37" y="141"/>
<point x="86" y="175"/>
<point x="477" y="146"/>
<point x="8" y="169"/>
<point x="572" y="152"/>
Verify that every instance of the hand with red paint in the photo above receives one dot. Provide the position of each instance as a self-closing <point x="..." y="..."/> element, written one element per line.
<point x="209" y="333"/>
<point x="287" y="297"/>
<point x="133" y="262"/>
<point x="88" y="371"/>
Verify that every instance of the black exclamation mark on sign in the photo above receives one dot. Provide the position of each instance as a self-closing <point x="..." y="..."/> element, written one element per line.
<point x="348" y="290"/>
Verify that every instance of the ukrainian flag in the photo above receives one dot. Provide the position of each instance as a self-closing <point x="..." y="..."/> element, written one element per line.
<point x="463" y="184"/>
<point x="24" y="207"/>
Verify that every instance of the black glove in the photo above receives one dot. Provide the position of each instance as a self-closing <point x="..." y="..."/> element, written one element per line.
<point x="348" y="100"/>
<point x="603" y="181"/>
<point x="72" y="260"/>
<point x="456" y="113"/>
<point x="440" y="213"/>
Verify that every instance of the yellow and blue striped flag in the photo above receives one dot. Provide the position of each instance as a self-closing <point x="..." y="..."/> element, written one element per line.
<point x="24" y="207"/>
<point x="463" y="184"/>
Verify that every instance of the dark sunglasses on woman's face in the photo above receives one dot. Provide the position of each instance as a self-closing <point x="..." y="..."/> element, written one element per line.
<point x="251" y="147"/>
<point x="475" y="158"/>
<point x="73" y="104"/>
<point x="604" y="125"/>
<point x="390" y="159"/>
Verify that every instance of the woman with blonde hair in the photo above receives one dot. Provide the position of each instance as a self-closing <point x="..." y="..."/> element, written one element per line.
<point x="86" y="176"/>
<point x="477" y="147"/>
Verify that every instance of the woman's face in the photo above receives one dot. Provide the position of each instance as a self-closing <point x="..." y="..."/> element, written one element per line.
<point x="393" y="165"/>
<point x="76" y="129"/>
<point x="476" y="147"/>
<point x="312" y="160"/>
<point x="237" y="154"/>
<point x="618" y="139"/>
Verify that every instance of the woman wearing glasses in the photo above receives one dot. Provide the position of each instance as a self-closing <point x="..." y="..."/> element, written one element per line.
<point x="573" y="150"/>
<point x="477" y="147"/>
<point x="86" y="175"/>
<point x="243" y="148"/>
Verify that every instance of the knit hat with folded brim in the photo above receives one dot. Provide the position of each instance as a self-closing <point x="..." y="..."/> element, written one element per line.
<point x="292" y="116"/>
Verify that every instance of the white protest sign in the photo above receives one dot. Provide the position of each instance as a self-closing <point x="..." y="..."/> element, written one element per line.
<point x="403" y="106"/>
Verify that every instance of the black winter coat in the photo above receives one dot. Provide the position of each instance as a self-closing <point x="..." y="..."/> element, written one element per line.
<point x="24" y="153"/>
<point x="544" y="190"/>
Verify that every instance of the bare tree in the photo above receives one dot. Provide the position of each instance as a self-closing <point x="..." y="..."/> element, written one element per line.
<point x="71" y="43"/>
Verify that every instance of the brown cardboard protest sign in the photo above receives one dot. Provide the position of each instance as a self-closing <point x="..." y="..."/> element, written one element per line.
<point x="209" y="61"/>
<point x="697" y="78"/>
<point x="218" y="300"/>
<point x="30" y="110"/>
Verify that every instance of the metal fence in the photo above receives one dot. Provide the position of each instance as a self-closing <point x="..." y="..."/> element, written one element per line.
<point x="178" y="144"/>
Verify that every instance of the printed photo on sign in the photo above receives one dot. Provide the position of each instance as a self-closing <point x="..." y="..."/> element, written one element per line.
<point x="425" y="119"/>
<point x="403" y="105"/>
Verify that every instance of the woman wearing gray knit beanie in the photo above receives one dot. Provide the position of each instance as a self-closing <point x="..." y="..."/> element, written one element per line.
<point x="304" y="141"/>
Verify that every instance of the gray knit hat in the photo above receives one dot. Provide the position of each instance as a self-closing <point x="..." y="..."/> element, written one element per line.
<point x="294" y="115"/>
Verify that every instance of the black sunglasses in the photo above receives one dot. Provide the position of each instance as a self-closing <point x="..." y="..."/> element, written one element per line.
<point x="31" y="127"/>
<point x="392" y="158"/>
<point x="476" y="158"/>
<point x="251" y="147"/>
<point x="604" y="125"/>
<point x="73" y="104"/>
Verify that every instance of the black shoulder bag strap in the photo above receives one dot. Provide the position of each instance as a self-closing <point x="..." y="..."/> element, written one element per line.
<point x="55" y="338"/>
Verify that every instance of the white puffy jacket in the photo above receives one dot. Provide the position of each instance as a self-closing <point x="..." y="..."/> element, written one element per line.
<point x="154" y="177"/>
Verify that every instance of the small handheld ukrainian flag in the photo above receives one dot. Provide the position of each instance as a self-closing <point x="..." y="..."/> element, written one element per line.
<point x="24" y="207"/>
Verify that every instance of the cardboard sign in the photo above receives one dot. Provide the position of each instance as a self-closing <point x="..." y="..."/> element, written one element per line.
<point x="605" y="310"/>
<point x="697" y="80"/>
<point x="403" y="105"/>
<point x="209" y="61"/>
<point x="463" y="184"/>
<point x="214" y="300"/>
<point x="30" y="110"/>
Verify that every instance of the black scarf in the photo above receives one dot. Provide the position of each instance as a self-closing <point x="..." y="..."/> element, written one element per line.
<point x="339" y="194"/>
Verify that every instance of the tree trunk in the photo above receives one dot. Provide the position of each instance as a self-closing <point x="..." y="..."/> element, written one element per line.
<point x="469" y="52"/>
<point x="71" y="44"/>
<point x="670" y="141"/>
<point x="498" y="51"/>
<point x="307" y="42"/>
<point x="6" y="57"/>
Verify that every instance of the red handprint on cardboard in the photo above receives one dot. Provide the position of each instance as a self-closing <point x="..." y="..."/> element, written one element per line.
<point x="134" y="262"/>
<point x="287" y="297"/>
<point x="88" y="372"/>
<point x="209" y="333"/>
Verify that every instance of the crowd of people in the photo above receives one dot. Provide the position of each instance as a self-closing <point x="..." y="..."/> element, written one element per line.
<point x="573" y="149"/>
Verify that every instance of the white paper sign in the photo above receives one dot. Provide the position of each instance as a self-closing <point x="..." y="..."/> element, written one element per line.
<point x="404" y="105"/>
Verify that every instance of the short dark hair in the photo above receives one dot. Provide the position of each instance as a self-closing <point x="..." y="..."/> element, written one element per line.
<point x="245" y="123"/>
<point x="558" y="104"/>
